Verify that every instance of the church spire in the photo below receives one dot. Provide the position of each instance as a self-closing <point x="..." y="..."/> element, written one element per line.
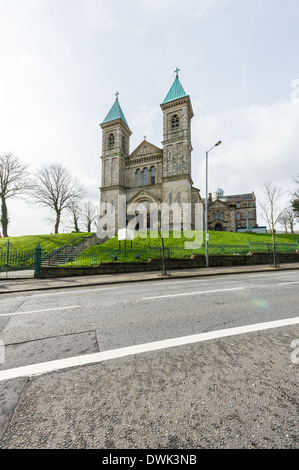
<point x="115" y="112"/>
<point x="176" y="91"/>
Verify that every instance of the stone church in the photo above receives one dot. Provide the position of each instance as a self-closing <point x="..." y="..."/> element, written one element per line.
<point x="150" y="175"/>
<point x="133" y="183"/>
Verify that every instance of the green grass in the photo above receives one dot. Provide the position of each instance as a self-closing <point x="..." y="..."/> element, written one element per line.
<point x="178" y="239"/>
<point x="47" y="242"/>
<point x="149" y="246"/>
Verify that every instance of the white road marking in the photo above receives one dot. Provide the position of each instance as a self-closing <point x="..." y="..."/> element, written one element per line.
<point x="187" y="282"/>
<point x="272" y="274"/>
<point x="288" y="283"/>
<point x="60" y="364"/>
<point x="193" y="293"/>
<point x="38" y="311"/>
<point x="73" y="292"/>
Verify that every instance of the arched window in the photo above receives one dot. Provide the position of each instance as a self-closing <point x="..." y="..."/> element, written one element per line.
<point x="222" y="216"/>
<point x="153" y="175"/>
<point x="213" y="217"/>
<point x="145" y="172"/>
<point x="217" y="215"/>
<point x="179" y="199"/>
<point x="175" y="122"/>
<point x="123" y="143"/>
<point x="111" y="141"/>
<point x="138" y="174"/>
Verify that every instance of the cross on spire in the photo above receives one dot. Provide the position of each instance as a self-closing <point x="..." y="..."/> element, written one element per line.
<point x="177" y="72"/>
<point x="116" y="94"/>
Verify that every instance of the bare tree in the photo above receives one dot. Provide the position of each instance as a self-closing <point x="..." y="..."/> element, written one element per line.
<point x="295" y="200"/>
<point x="271" y="211"/>
<point x="55" y="188"/>
<point x="283" y="220"/>
<point x="14" y="182"/>
<point x="287" y="219"/>
<point x="89" y="214"/>
<point x="76" y="213"/>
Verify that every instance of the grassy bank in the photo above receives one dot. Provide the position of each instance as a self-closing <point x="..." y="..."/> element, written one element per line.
<point x="47" y="242"/>
<point x="147" y="245"/>
<point x="178" y="239"/>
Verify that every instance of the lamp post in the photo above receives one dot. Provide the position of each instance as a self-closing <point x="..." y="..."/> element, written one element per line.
<point x="206" y="214"/>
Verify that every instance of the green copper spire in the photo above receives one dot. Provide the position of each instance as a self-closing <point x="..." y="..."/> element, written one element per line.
<point x="176" y="91"/>
<point x="115" y="112"/>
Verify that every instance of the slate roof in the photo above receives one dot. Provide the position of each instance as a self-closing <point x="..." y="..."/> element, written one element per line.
<point x="238" y="197"/>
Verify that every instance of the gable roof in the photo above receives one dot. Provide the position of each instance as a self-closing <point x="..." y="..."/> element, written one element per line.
<point x="218" y="203"/>
<point x="150" y="149"/>
<point x="143" y="196"/>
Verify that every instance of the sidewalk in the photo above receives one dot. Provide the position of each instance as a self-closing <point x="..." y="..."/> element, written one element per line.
<point x="13" y="284"/>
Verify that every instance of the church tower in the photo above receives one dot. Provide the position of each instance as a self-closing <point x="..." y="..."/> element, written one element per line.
<point x="177" y="147"/>
<point x="115" y="151"/>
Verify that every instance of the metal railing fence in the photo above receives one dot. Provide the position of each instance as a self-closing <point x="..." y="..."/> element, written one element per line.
<point x="108" y="255"/>
<point x="29" y="262"/>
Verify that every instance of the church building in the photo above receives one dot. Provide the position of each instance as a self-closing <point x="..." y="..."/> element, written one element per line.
<point x="150" y="175"/>
<point x="232" y="213"/>
<point x="160" y="177"/>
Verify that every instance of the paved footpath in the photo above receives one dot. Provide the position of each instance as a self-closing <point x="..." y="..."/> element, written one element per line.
<point x="15" y="284"/>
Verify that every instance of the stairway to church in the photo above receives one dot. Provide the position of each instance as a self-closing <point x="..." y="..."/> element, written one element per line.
<point x="68" y="252"/>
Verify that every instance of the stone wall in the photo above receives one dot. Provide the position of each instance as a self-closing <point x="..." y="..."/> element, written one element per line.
<point x="197" y="261"/>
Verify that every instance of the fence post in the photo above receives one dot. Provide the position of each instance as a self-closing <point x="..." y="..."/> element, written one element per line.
<point x="38" y="260"/>
<point x="7" y="257"/>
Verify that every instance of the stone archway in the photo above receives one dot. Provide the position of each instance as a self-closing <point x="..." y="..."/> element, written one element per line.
<point x="140" y="214"/>
<point x="218" y="228"/>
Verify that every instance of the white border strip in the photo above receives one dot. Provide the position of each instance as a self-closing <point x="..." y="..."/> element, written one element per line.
<point x="51" y="366"/>
<point x="288" y="283"/>
<point x="193" y="293"/>
<point x="38" y="311"/>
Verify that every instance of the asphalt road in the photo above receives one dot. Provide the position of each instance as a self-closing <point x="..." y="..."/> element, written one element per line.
<point x="232" y="382"/>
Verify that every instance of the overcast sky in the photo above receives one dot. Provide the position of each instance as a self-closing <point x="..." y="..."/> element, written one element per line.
<point x="62" y="61"/>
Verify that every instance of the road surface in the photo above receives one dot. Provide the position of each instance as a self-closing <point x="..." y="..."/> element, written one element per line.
<point x="172" y="364"/>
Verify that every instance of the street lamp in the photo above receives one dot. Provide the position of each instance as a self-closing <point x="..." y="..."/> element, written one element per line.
<point x="206" y="214"/>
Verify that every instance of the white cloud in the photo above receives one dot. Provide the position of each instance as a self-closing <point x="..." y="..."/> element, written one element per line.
<point x="192" y="7"/>
<point x="260" y="144"/>
<point x="61" y="62"/>
<point x="206" y="5"/>
<point x="146" y="122"/>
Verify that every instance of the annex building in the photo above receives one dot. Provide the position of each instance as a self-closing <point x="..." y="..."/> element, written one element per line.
<point x="231" y="213"/>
